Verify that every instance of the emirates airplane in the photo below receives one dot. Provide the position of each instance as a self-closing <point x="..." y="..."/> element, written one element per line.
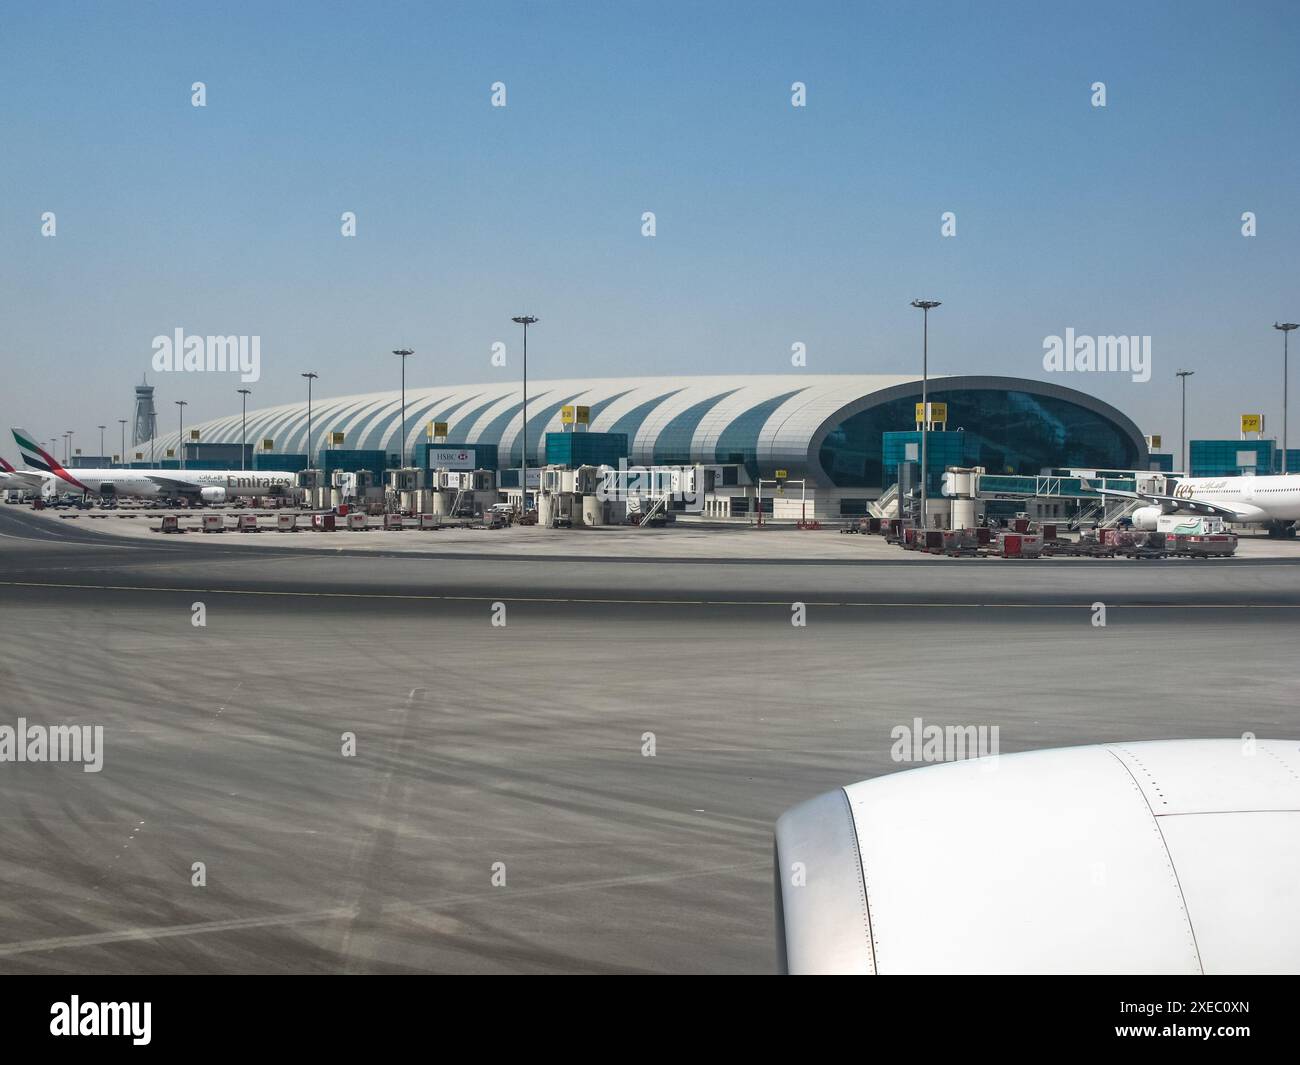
<point x="12" y="480"/>
<point x="1271" y="500"/>
<point x="208" y="486"/>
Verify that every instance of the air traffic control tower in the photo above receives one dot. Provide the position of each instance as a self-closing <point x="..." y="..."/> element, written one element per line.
<point x="146" y="418"/>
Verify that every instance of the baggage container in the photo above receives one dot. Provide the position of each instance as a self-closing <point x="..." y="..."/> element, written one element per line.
<point x="1221" y="545"/>
<point x="286" y="523"/>
<point x="1022" y="545"/>
<point x="248" y="523"/>
<point x="357" y="522"/>
<point x="322" y="522"/>
<point x="214" y="523"/>
<point x="393" y="523"/>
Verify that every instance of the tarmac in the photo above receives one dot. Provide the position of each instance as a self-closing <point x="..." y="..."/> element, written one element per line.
<point x="590" y="786"/>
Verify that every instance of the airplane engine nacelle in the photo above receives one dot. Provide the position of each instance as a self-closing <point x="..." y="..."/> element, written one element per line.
<point x="213" y="495"/>
<point x="108" y="490"/>
<point x="1144" y="518"/>
<point x="1098" y="859"/>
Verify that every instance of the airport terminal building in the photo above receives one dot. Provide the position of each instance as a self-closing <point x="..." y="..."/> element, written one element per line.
<point x="835" y="432"/>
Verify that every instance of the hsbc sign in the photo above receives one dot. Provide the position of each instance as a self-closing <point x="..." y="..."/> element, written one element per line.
<point x="451" y="458"/>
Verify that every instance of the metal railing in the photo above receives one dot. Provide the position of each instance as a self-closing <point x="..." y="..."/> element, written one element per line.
<point x="880" y="508"/>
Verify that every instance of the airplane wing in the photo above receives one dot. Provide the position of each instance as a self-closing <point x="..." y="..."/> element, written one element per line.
<point x="1172" y="504"/>
<point x="174" y="484"/>
<point x="30" y="478"/>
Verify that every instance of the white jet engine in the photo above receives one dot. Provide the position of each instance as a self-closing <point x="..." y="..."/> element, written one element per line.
<point x="1174" y="856"/>
<point x="212" y="495"/>
<point x="1144" y="518"/>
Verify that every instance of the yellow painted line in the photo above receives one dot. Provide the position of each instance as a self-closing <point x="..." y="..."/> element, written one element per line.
<point x="505" y="597"/>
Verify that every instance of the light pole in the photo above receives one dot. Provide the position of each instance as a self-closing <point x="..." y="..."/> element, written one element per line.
<point x="1286" y="328"/>
<point x="405" y="354"/>
<point x="101" y="439"/>
<point x="310" y="378"/>
<point x="122" y="456"/>
<point x="525" y="320"/>
<point x="180" y="432"/>
<point x="244" y="393"/>
<point x="1185" y="374"/>
<point x="925" y="306"/>
<point x="67" y="448"/>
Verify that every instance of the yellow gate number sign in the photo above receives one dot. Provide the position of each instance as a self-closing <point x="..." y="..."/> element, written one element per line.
<point x="938" y="413"/>
<point x="575" y="415"/>
<point x="1252" y="423"/>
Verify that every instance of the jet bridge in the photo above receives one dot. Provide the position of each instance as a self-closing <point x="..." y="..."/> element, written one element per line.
<point x="966" y="485"/>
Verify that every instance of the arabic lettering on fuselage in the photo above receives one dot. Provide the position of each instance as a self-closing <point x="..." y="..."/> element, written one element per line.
<point x="1189" y="490"/>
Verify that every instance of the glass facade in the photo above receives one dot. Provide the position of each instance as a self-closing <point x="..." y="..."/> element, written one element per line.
<point x="941" y="451"/>
<point x="1005" y="432"/>
<point x="1235" y="458"/>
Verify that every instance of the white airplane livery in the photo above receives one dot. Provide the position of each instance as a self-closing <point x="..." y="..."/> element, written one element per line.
<point x="1269" y="500"/>
<point x="209" y="486"/>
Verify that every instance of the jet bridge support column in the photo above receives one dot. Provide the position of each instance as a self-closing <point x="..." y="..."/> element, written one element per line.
<point x="960" y="486"/>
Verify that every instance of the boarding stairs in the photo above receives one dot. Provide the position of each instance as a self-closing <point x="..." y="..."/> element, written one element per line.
<point x="1113" y="517"/>
<point x="886" y="506"/>
<point x="658" y="507"/>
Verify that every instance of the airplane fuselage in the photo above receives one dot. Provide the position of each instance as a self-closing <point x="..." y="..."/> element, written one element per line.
<point x="1255" y="499"/>
<point x="148" y="484"/>
<point x="1250" y="500"/>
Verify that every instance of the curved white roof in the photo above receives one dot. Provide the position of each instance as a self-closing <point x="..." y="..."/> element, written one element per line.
<point x="776" y="420"/>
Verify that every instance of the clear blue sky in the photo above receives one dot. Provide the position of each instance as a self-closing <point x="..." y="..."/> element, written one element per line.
<point x="775" y="224"/>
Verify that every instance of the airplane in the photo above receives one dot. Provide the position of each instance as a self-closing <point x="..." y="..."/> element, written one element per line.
<point x="12" y="480"/>
<point x="1270" y="500"/>
<point x="207" y="486"/>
